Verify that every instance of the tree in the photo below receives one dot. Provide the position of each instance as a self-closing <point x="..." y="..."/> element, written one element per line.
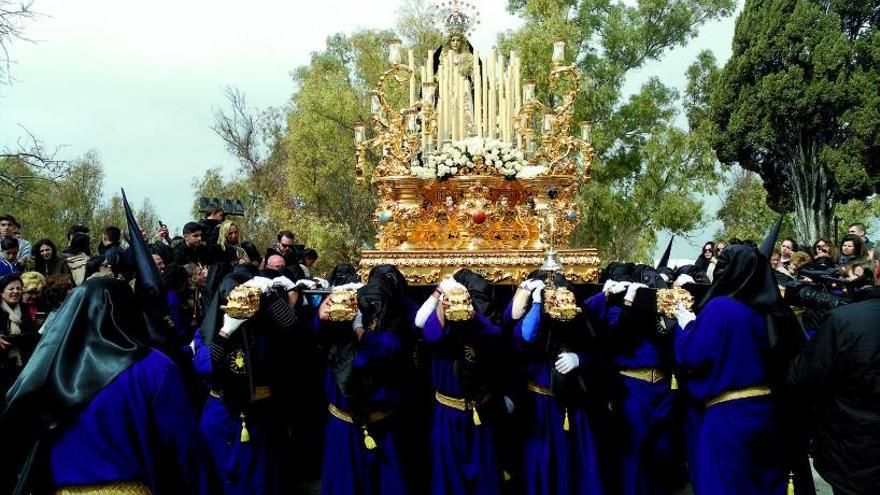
<point x="799" y="103"/>
<point x="649" y="174"/>
<point x="744" y="212"/>
<point x="13" y="17"/>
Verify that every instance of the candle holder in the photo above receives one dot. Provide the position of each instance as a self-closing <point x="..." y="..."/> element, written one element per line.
<point x="558" y="56"/>
<point x="394" y="49"/>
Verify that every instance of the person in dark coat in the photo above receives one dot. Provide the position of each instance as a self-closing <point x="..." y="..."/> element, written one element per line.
<point x="192" y="249"/>
<point x="838" y="373"/>
<point x="18" y="334"/>
<point x="46" y="259"/>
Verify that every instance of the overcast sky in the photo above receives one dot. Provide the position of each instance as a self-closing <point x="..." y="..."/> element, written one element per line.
<point x="139" y="82"/>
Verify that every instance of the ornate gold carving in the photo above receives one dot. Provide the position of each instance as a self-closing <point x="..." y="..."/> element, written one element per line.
<point x="457" y="305"/>
<point x="505" y="267"/>
<point x="242" y="302"/>
<point x="560" y="304"/>
<point x="669" y="299"/>
<point x="342" y="304"/>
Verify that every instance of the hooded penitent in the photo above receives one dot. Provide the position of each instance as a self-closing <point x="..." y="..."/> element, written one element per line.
<point x="343" y="273"/>
<point x="744" y="274"/>
<point x="97" y="333"/>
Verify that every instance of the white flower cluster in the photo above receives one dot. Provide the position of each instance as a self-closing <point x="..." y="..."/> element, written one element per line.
<point x="461" y="155"/>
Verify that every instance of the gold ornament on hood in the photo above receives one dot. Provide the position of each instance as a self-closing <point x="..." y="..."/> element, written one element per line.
<point x="560" y="304"/>
<point x="342" y="304"/>
<point x="242" y="302"/>
<point x="457" y="304"/>
<point x="669" y="299"/>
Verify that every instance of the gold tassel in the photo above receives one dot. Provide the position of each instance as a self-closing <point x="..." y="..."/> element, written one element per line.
<point x="673" y="384"/>
<point x="369" y="443"/>
<point x="790" y="489"/>
<point x="506" y="475"/>
<point x="477" y="421"/>
<point x="565" y="425"/>
<point x="245" y="434"/>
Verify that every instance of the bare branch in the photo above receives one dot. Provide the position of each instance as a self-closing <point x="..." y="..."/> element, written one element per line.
<point x="13" y="17"/>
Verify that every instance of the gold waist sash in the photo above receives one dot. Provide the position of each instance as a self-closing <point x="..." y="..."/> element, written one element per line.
<point x="651" y="375"/>
<point x="111" y="488"/>
<point x="344" y="416"/>
<point x="540" y="390"/>
<point x="744" y="393"/>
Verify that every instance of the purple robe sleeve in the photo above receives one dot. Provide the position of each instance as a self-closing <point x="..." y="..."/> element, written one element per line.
<point x="531" y="323"/>
<point x="433" y="330"/>
<point x="201" y="355"/>
<point x="376" y="346"/>
<point x="695" y="345"/>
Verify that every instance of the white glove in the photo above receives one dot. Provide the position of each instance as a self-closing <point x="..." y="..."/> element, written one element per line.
<point x="536" y="294"/>
<point x="684" y="316"/>
<point x="614" y="287"/>
<point x="322" y="283"/>
<point x="358" y="321"/>
<point x="508" y="404"/>
<point x="428" y="307"/>
<point x="308" y="284"/>
<point x="567" y="362"/>
<point x="631" y="291"/>
<point x="446" y="284"/>
<point x="283" y="282"/>
<point x="350" y="286"/>
<point x="230" y="325"/>
<point x="262" y="283"/>
<point x="682" y="279"/>
<point x="537" y="285"/>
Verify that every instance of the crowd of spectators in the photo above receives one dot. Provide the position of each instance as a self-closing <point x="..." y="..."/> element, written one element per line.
<point x="851" y="258"/>
<point x="35" y="279"/>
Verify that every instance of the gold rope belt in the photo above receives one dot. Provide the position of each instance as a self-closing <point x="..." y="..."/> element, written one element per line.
<point x="744" y="393"/>
<point x="460" y="405"/>
<point x="260" y="393"/>
<point x="111" y="488"/>
<point x="344" y="416"/>
<point x="651" y="375"/>
<point x="538" y="389"/>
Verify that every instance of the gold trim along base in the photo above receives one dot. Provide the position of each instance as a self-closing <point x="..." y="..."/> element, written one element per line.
<point x="506" y="267"/>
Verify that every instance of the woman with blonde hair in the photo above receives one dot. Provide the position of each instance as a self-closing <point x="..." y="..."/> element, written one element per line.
<point x="229" y="241"/>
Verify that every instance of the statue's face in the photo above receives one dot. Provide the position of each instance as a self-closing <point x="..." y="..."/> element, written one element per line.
<point x="455" y="43"/>
<point x="504" y="202"/>
<point x="449" y="201"/>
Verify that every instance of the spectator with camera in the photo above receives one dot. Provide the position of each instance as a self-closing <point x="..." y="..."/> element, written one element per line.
<point x="837" y="373"/>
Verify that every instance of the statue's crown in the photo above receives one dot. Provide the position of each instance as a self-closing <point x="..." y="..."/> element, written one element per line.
<point x="456" y="17"/>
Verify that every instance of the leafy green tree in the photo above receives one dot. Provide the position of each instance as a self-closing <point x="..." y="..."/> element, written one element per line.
<point x="649" y="174"/>
<point x="744" y="212"/>
<point x="799" y="103"/>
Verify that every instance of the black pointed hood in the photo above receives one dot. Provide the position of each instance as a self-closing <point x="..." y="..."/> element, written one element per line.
<point x="148" y="283"/>
<point x="772" y="236"/>
<point x="664" y="260"/>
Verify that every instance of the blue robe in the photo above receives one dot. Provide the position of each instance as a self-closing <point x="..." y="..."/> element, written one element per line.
<point x="140" y="427"/>
<point x="463" y="454"/>
<point x="244" y="468"/>
<point x="349" y="467"/>
<point x="737" y="450"/>
<point x="645" y="447"/>
<point x="557" y="462"/>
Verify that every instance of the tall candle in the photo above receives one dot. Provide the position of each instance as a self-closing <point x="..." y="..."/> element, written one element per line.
<point x="491" y="77"/>
<point x="429" y="66"/>
<point x="412" y="78"/>
<point x="462" y="118"/>
<point x="485" y="90"/>
<point x="478" y="101"/>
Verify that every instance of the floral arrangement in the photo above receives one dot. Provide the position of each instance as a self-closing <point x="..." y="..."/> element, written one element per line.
<point x="462" y="157"/>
